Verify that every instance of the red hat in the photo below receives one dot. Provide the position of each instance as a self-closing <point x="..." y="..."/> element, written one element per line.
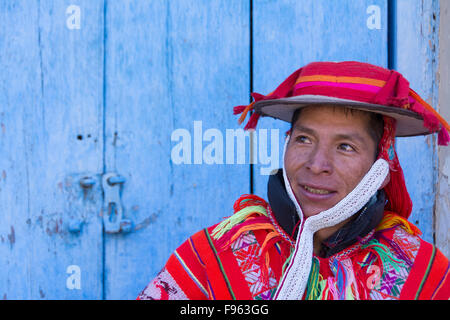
<point x="354" y="85"/>
<point x="360" y="86"/>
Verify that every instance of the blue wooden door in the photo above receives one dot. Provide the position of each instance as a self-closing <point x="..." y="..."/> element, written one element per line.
<point x="51" y="106"/>
<point x="416" y="56"/>
<point x="171" y="66"/>
<point x="145" y="90"/>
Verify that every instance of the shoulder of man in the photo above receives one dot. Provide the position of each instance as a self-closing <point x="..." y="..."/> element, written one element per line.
<point x="425" y="267"/>
<point x="182" y="277"/>
<point x="429" y="277"/>
<point x="198" y="261"/>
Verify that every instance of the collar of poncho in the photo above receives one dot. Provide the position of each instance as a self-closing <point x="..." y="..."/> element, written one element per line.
<point x="363" y="222"/>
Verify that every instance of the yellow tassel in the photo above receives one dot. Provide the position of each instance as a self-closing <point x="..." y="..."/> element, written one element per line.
<point x="391" y="219"/>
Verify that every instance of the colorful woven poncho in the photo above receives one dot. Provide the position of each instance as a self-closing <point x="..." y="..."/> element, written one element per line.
<point x="264" y="250"/>
<point x="244" y="258"/>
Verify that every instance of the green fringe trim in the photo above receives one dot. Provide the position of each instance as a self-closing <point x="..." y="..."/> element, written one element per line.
<point x="286" y="263"/>
<point x="386" y="256"/>
<point x="240" y="216"/>
<point x="313" y="290"/>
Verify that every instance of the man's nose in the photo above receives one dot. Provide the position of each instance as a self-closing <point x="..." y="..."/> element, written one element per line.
<point x="320" y="161"/>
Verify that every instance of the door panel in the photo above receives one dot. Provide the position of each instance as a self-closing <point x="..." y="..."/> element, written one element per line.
<point x="145" y="89"/>
<point x="170" y="63"/>
<point x="51" y="120"/>
<point x="416" y="58"/>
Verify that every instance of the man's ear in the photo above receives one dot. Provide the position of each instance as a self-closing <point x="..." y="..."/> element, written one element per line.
<point x="386" y="181"/>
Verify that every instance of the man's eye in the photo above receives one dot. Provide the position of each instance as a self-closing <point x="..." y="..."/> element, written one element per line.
<point x="303" y="139"/>
<point x="346" y="147"/>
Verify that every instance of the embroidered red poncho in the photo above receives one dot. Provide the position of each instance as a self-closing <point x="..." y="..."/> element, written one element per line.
<point x="250" y="256"/>
<point x="244" y="257"/>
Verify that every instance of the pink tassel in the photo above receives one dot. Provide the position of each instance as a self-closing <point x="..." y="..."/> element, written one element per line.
<point x="258" y="96"/>
<point x="429" y="120"/>
<point x="238" y="109"/>
<point x="443" y="137"/>
<point x="252" y="122"/>
<point x="333" y="290"/>
<point x="283" y="90"/>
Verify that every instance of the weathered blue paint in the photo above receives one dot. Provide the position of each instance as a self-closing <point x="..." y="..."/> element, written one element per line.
<point x="168" y="64"/>
<point x="76" y="103"/>
<point x="50" y="106"/>
<point x="417" y="54"/>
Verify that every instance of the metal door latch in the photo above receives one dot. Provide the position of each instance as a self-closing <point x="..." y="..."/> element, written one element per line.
<point x="112" y="207"/>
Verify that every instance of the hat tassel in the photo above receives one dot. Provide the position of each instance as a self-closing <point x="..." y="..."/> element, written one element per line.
<point x="244" y="110"/>
<point x="252" y="122"/>
<point x="431" y="118"/>
<point x="283" y="90"/>
<point x="239" y="109"/>
<point x="443" y="137"/>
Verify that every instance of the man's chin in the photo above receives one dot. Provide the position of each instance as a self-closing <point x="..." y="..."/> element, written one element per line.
<point x="309" y="211"/>
<point x="313" y="203"/>
<point x="312" y="212"/>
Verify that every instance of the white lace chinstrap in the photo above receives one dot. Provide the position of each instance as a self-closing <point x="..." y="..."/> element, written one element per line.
<point x="294" y="280"/>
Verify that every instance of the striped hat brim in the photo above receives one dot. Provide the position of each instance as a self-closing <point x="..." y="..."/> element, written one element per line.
<point x="409" y="123"/>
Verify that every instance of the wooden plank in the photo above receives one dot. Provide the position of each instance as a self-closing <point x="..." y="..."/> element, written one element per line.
<point x="51" y="132"/>
<point x="168" y="64"/>
<point x="442" y="197"/>
<point x="417" y="60"/>
<point x="290" y="34"/>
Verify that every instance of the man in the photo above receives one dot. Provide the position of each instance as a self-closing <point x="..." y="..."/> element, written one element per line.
<point x="335" y="226"/>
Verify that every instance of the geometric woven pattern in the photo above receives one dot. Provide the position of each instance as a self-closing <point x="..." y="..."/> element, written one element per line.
<point x="162" y="287"/>
<point x="408" y="243"/>
<point x="246" y="250"/>
<point x="393" y="279"/>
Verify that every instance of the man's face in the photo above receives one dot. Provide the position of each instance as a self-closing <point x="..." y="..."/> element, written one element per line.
<point x="329" y="152"/>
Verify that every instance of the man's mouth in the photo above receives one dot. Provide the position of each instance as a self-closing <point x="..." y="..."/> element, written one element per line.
<point x="315" y="198"/>
<point x="316" y="191"/>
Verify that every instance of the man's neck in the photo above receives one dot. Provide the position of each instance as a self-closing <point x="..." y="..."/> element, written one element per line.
<point x="327" y="241"/>
<point x="323" y="234"/>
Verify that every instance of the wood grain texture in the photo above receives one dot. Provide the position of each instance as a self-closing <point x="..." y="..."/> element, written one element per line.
<point x="51" y="133"/>
<point x="442" y="195"/>
<point x="417" y="61"/>
<point x="169" y="63"/>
